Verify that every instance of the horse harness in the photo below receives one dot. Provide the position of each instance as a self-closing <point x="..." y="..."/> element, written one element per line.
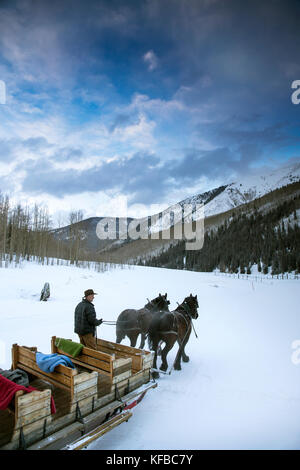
<point x="174" y="326"/>
<point x="175" y="322"/>
<point x="139" y="327"/>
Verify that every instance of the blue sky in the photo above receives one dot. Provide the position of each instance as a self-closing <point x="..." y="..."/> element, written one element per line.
<point x="115" y="105"/>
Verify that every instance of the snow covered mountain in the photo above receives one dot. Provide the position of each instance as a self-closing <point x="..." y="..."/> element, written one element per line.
<point x="245" y="190"/>
<point x="249" y="188"/>
<point x="230" y="196"/>
<point x="216" y="201"/>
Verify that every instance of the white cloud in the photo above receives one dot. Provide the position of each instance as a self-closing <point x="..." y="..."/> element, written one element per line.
<point x="139" y="134"/>
<point x="157" y="106"/>
<point x="151" y="59"/>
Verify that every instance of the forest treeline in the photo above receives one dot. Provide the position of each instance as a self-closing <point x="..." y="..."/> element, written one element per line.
<point x="270" y="240"/>
<point x="26" y="233"/>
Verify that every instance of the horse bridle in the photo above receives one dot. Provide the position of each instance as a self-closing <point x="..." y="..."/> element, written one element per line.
<point x="187" y="309"/>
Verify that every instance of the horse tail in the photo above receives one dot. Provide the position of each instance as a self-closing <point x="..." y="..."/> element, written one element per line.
<point x="157" y="325"/>
<point x="121" y="326"/>
<point x="153" y="330"/>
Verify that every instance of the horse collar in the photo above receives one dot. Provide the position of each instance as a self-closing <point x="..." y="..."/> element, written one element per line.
<point x="186" y="319"/>
<point x="186" y="308"/>
<point x="149" y="305"/>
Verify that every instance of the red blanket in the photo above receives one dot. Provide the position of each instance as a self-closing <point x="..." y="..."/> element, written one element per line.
<point x="8" y="390"/>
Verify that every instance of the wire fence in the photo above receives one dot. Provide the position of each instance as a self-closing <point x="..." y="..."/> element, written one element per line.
<point x="260" y="277"/>
<point x="100" y="266"/>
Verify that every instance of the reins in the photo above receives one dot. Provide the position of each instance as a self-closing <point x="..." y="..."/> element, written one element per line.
<point x="113" y="323"/>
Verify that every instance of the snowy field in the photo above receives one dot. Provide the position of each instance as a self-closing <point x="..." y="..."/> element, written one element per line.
<point x="241" y="388"/>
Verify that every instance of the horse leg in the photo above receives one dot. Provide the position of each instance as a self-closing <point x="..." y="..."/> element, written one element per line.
<point x="143" y="338"/>
<point x="133" y="339"/>
<point x="155" y="374"/>
<point x="185" y="358"/>
<point x="177" y="365"/>
<point x="120" y="336"/>
<point x="164" y="353"/>
<point x="181" y="353"/>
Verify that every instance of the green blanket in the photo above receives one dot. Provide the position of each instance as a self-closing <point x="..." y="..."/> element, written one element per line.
<point x="68" y="346"/>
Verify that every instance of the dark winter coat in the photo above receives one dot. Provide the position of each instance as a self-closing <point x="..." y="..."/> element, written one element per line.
<point x="85" y="318"/>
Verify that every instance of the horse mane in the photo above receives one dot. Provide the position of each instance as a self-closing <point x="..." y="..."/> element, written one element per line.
<point x="154" y="303"/>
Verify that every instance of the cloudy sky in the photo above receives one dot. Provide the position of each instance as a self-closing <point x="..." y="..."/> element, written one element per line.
<point x="124" y="104"/>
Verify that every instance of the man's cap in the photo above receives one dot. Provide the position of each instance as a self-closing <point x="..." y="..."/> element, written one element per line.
<point x="89" y="292"/>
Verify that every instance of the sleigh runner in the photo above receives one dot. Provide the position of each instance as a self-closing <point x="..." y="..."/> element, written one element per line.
<point x="90" y="399"/>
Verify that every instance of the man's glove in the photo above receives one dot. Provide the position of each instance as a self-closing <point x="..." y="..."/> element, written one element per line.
<point x="100" y="321"/>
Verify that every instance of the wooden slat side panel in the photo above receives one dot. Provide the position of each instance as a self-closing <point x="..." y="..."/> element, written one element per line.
<point x="137" y="359"/>
<point x="120" y="377"/>
<point x="32" y="432"/>
<point x="34" y="406"/>
<point x="35" y="370"/>
<point x="80" y="395"/>
<point x="85" y="385"/>
<point x="84" y="376"/>
<point x="118" y="347"/>
<point x="122" y="362"/>
<point x="62" y="373"/>
<point x="90" y="361"/>
<point x="124" y="368"/>
<point x="32" y="417"/>
<point x="94" y="361"/>
<point x="25" y="353"/>
<point x="102" y="356"/>
<point x="32" y="397"/>
<point x="42" y="375"/>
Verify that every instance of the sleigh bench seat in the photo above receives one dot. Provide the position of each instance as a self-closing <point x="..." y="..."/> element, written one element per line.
<point x="63" y="377"/>
<point x="141" y="359"/>
<point x="116" y="369"/>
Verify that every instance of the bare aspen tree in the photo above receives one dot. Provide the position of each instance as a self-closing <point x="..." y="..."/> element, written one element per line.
<point x="4" y="208"/>
<point x="75" y="235"/>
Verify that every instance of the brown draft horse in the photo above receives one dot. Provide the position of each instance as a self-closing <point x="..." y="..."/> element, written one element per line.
<point x="169" y="327"/>
<point x="133" y="322"/>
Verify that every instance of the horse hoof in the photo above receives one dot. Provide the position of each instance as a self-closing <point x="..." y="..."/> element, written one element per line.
<point x="186" y="359"/>
<point x="155" y="375"/>
<point x="176" y="367"/>
<point x="163" y="368"/>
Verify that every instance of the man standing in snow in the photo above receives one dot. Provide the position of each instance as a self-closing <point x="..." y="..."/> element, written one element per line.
<point x="86" y="321"/>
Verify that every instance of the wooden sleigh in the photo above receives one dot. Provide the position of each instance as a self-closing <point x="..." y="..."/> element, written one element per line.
<point x="90" y="399"/>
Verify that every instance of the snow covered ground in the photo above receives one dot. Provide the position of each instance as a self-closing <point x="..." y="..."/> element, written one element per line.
<point x="241" y="388"/>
